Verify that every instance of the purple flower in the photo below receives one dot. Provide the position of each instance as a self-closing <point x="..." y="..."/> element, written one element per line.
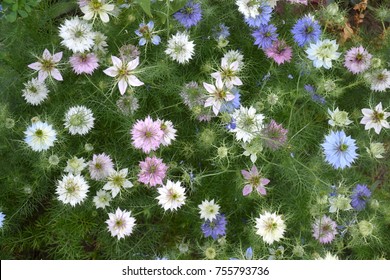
<point x="189" y="15"/>
<point x="275" y="136"/>
<point x="359" y="197"/>
<point x="263" y="18"/>
<point x="306" y="30"/>
<point x="254" y="180"/>
<point x="324" y="230"/>
<point x="215" y="228"/>
<point x="146" y="34"/>
<point x="265" y="35"/>
<point x="221" y="31"/>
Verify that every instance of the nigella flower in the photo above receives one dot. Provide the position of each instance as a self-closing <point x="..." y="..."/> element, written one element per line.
<point x="219" y="94"/>
<point x="270" y="226"/>
<point x="254" y="181"/>
<point x="77" y="35"/>
<point x="116" y="181"/>
<point x="339" y="149"/>
<point x="306" y="30"/>
<point x="35" y="92"/>
<point x="72" y="189"/>
<point x="324" y="230"/>
<point x="263" y="18"/>
<point x="280" y="52"/>
<point x="220" y="32"/>
<point x="265" y="35"/>
<point x="375" y="118"/>
<point x="46" y="66"/>
<point x="84" y="63"/>
<point x="189" y="15"/>
<point x="180" y="48"/>
<point x="79" y="120"/>
<point x="146" y="34"/>
<point x="120" y="223"/>
<point x="93" y="8"/>
<point x="215" y="228"/>
<point x="357" y="60"/>
<point x="233" y="104"/>
<point x="169" y="132"/>
<point x="322" y="53"/>
<point x="379" y="79"/>
<point x="359" y="197"/>
<point x="275" y="136"/>
<point x="147" y="135"/>
<point x="228" y="73"/>
<point x="100" y="167"/>
<point x="153" y="171"/>
<point x="171" y="195"/>
<point x="40" y="136"/>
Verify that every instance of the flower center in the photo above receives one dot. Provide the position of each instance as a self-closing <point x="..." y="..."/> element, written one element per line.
<point x="47" y="65"/>
<point x="188" y="10"/>
<point x="96" y="5"/>
<point x="343" y="147"/>
<point x="118" y="180"/>
<point x="71" y="187"/>
<point x="39" y="133"/>
<point x="309" y="29"/>
<point x="76" y="119"/>
<point x="254" y="180"/>
<point x="378" y="116"/>
<point x="359" y="57"/>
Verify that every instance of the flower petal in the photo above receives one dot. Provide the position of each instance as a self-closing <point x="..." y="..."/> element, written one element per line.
<point x="134" y="81"/>
<point x="112" y="71"/>
<point x="131" y="65"/>
<point x="36" y="66"/>
<point x="122" y="85"/>
<point x="56" y="74"/>
<point x="247" y="190"/>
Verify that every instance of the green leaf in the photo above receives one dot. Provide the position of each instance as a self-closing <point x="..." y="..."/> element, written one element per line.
<point x="145" y="5"/>
<point x="23" y="13"/>
<point x="61" y="8"/>
<point x="11" y="17"/>
<point x="27" y="8"/>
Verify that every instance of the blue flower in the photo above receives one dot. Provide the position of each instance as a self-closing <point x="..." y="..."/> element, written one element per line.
<point x="359" y="197"/>
<point x="263" y="18"/>
<point x="249" y="253"/>
<point x="2" y="216"/>
<point x="229" y="106"/>
<point x="215" y="228"/>
<point x="265" y="35"/>
<point x="146" y="34"/>
<point x="339" y="149"/>
<point x="306" y="30"/>
<point x="221" y="32"/>
<point x="189" y="15"/>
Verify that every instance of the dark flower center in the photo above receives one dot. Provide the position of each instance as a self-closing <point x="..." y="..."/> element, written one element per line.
<point x="343" y="147"/>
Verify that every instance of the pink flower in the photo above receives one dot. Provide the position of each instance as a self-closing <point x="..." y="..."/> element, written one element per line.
<point x="124" y="73"/>
<point x="169" y="132"/>
<point x="100" y="167"/>
<point x="324" y="229"/>
<point x="147" y="135"/>
<point x="280" y="52"/>
<point x="254" y="180"/>
<point x="275" y="136"/>
<point x="357" y="60"/>
<point x="46" y="66"/>
<point x="153" y="171"/>
<point x="84" y="63"/>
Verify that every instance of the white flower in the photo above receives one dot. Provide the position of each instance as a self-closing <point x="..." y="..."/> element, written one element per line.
<point x="117" y="180"/>
<point x="100" y="43"/>
<point x="323" y="52"/>
<point x="72" y="189"/>
<point x="77" y="35"/>
<point x="234" y="56"/>
<point x="249" y="8"/>
<point x="168" y="130"/>
<point x="46" y="66"/>
<point x="228" y="74"/>
<point x="219" y="94"/>
<point x="79" y="120"/>
<point x="328" y="257"/>
<point x="124" y="73"/>
<point x="376" y="150"/>
<point x="102" y="199"/>
<point x="338" y="118"/>
<point x="375" y="118"/>
<point x="379" y="79"/>
<point x="252" y="148"/>
<point x="270" y="226"/>
<point x="35" y="91"/>
<point x="180" y="48"/>
<point x="172" y="195"/>
<point x="121" y="223"/>
<point x="248" y="123"/>
<point x="40" y="136"/>
<point x="208" y="210"/>
<point x="75" y="165"/>
<point x="97" y="7"/>
<point x="340" y="202"/>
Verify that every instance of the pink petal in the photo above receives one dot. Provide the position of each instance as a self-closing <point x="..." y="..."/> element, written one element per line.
<point x="264" y="181"/>
<point x="209" y="88"/>
<point x="247" y="190"/>
<point x="112" y="71"/>
<point x="36" y="66"/>
<point x="56" y="74"/>
<point x="57" y="57"/>
<point x="254" y="171"/>
<point x="46" y="55"/>
<point x="246" y="174"/>
<point x="134" y="81"/>
<point x="219" y="84"/>
<point x="131" y="65"/>
<point x="122" y="84"/>
<point x="116" y="61"/>
<point x="261" y="190"/>
<point x="42" y="75"/>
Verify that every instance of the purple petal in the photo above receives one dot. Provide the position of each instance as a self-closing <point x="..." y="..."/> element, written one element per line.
<point x="247" y="190"/>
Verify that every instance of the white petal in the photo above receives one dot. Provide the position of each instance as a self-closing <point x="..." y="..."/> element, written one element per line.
<point x="210" y="88"/>
<point x="112" y="71"/>
<point x="134" y="81"/>
<point x="133" y="64"/>
<point x="122" y="85"/>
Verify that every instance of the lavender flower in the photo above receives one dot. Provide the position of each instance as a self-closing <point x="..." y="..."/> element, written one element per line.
<point x="263" y="18"/>
<point x="189" y="15"/>
<point x="265" y="35"/>
<point x="146" y="34"/>
<point x="220" y="32"/>
<point x="275" y="136"/>
<point x="359" y="197"/>
<point x="324" y="230"/>
<point x="306" y="30"/>
<point x="215" y="228"/>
